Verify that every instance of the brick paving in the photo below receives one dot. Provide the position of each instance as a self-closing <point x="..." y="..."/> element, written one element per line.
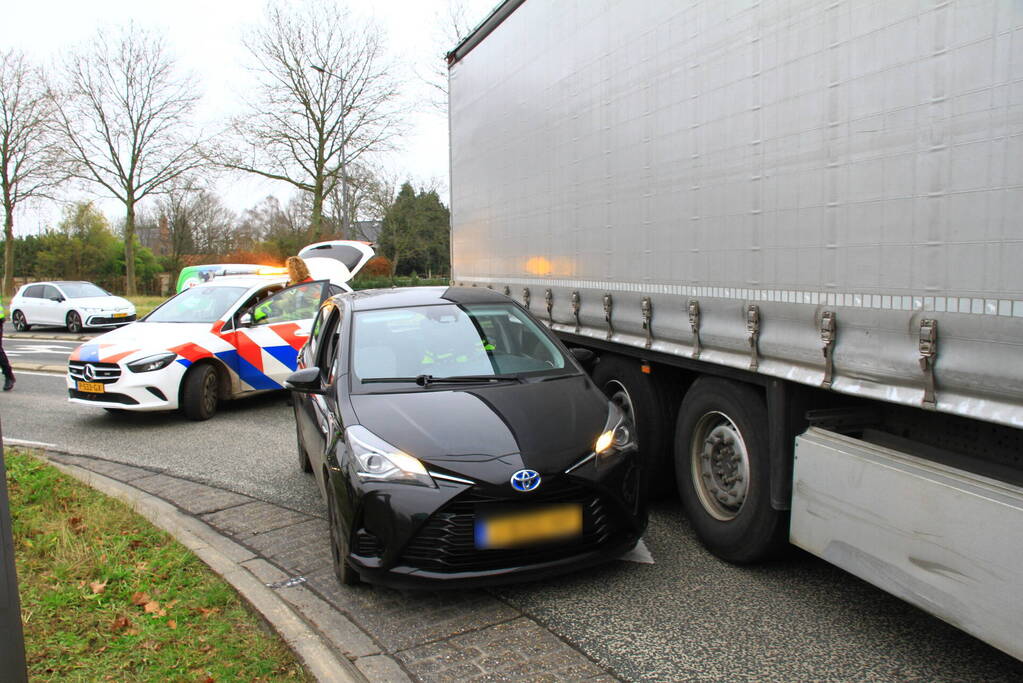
<point x="391" y="635"/>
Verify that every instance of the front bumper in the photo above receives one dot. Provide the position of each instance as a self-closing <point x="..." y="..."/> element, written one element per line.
<point x="124" y="389"/>
<point x="407" y="536"/>
<point x="108" y="320"/>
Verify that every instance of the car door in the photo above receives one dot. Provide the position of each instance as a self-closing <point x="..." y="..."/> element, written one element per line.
<point x="276" y="328"/>
<point x="32" y="303"/>
<point x="50" y="306"/>
<point x="314" y="416"/>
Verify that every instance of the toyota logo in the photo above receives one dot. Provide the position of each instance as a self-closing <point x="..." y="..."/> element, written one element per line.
<point x="525" y="480"/>
<point x="89" y="372"/>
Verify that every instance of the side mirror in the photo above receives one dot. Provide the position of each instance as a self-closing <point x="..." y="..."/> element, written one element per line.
<point x="586" y="358"/>
<point x="306" y="381"/>
<point x="245" y="320"/>
<point x="57" y="298"/>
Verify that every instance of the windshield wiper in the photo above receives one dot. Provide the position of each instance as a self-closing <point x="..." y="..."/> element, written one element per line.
<point x="426" y="380"/>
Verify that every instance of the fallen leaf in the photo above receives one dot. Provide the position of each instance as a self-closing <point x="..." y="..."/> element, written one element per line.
<point x="120" y="623"/>
<point x="171" y="624"/>
<point x="207" y="611"/>
<point x="172" y="603"/>
<point x="139" y="598"/>
<point x="208" y="679"/>
<point x="132" y="632"/>
<point x="98" y="587"/>
<point x="151" y="606"/>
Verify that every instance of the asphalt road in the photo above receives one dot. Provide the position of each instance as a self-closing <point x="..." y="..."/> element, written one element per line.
<point x="688" y="617"/>
<point x="38" y="351"/>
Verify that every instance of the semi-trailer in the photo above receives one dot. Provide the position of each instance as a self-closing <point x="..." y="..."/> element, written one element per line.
<point x="792" y="231"/>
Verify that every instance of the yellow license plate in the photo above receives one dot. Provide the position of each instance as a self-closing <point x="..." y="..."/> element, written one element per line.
<point x="120" y="315"/>
<point x="91" y="387"/>
<point x="553" y="523"/>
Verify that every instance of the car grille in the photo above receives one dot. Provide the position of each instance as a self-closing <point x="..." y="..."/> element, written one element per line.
<point x="104" y="320"/>
<point x="108" y="397"/>
<point x="446" y="543"/>
<point x="105" y="373"/>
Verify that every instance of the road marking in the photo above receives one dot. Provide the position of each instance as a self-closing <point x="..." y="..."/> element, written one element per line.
<point x="26" y="442"/>
<point x="39" y="374"/>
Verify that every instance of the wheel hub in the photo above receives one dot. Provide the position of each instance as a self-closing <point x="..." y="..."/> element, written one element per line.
<point x="720" y="466"/>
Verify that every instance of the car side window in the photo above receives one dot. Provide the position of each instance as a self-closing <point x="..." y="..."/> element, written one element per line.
<point x="329" y="342"/>
<point x="35" y="292"/>
<point x="50" y="292"/>
<point x="299" y="302"/>
<point x="315" y="335"/>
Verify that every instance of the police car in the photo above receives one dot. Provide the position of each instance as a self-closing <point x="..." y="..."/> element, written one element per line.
<point x="231" y="337"/>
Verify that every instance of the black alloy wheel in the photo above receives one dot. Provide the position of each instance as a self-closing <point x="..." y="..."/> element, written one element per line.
<point x="20" y="324"/>
<point x="723" y="469"/>
<point x="199" y="395"/>
<point x="74" y="322"/>
<point x="338" y="542"/>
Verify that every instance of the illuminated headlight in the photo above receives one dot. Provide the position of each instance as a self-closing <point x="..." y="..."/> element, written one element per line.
<point x="150" y="363"/>
<point x="377" y="460"/>
<point x="617" y="433"/>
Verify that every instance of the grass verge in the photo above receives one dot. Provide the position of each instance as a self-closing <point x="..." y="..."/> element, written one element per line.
<point x="144" y="304"/>
<point x="107" y="596"/>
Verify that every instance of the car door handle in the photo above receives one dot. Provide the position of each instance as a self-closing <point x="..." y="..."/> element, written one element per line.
<point x="301" y="334"/>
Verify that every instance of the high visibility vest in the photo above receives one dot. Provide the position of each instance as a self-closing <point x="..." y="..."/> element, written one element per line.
<point x="3" y="311"/>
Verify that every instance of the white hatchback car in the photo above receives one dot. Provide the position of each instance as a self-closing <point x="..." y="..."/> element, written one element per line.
<point x="75" y="305"/>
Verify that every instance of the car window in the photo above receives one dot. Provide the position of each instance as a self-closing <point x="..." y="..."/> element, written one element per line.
<point x="79" y="290"/>
<point x="447" y="340"/>
<point x="34" y="291"/>
<point x="294" y="303"/>
<point x="197" y="305"/>
<point x="51" y="292"/>
<point x="331" y="335"/>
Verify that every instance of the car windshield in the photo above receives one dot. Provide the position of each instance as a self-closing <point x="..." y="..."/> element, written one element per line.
<point x="197" y="305"/>
<point x="450" y="340"/>
<point x="80" y="290"/>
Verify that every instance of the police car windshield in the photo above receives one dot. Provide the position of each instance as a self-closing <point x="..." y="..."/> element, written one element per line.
<point x="197" y="305"/>
<point x="449" y="340"/>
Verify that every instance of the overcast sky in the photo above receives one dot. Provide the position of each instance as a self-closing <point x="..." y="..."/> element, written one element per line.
<point x="206" y="37"/>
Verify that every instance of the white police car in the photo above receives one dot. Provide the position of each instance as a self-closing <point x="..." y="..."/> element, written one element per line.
<point x="231" y="337"/>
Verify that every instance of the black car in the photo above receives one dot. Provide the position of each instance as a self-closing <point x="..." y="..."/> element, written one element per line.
<point x="456" y="439"/>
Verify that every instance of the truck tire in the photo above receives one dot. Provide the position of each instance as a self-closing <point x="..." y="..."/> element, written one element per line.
<point x="199" y="394"/>
<point x="723" y="470"/>
<point x="639" y="397"/>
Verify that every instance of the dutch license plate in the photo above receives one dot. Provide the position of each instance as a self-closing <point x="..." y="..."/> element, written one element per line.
<point x="553" y="523"/>
<point x="91" y="387"/>
<point x="120" y="315"/>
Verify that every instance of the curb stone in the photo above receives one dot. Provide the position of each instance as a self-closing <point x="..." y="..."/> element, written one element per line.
<point x="225" y="557"/>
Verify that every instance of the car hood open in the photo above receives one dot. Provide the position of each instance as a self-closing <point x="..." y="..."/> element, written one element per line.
<point x="485" y="432"/>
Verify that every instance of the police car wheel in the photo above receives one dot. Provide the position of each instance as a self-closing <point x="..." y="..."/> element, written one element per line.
<point x="199" y="394"/>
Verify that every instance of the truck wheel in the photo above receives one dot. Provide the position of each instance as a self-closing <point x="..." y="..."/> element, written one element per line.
<point x="641" y="400"/>
<point x="20" y="324"/>
<point x="338" y="543"/>
<point x="199" y="394"/>
<point x="73" y="322"/>
<point x="723" y="470"/>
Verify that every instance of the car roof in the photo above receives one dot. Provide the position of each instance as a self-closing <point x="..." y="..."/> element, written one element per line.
<point x="372" y="299"/>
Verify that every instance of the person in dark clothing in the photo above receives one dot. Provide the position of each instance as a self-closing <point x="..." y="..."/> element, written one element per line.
<point x="5" y="364"/>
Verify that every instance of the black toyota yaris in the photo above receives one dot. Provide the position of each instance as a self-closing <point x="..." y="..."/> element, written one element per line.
<point x="455" y="439"/>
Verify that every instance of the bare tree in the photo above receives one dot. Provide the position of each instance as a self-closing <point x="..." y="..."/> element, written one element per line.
<point x="451" y="26"/>
<point x="126" y="121"/>
<point x="27" y="145"/>
<point x="327" y="98"/>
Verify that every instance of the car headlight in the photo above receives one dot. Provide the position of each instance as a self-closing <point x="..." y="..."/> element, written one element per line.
<point x="617" y="435"/>
<point x="150" y="363"/>
<point x="377" y="460"/>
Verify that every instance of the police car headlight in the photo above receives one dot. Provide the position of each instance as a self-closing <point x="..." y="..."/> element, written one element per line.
<point x="377" y="460"/>
<point x="150" y="363"/>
